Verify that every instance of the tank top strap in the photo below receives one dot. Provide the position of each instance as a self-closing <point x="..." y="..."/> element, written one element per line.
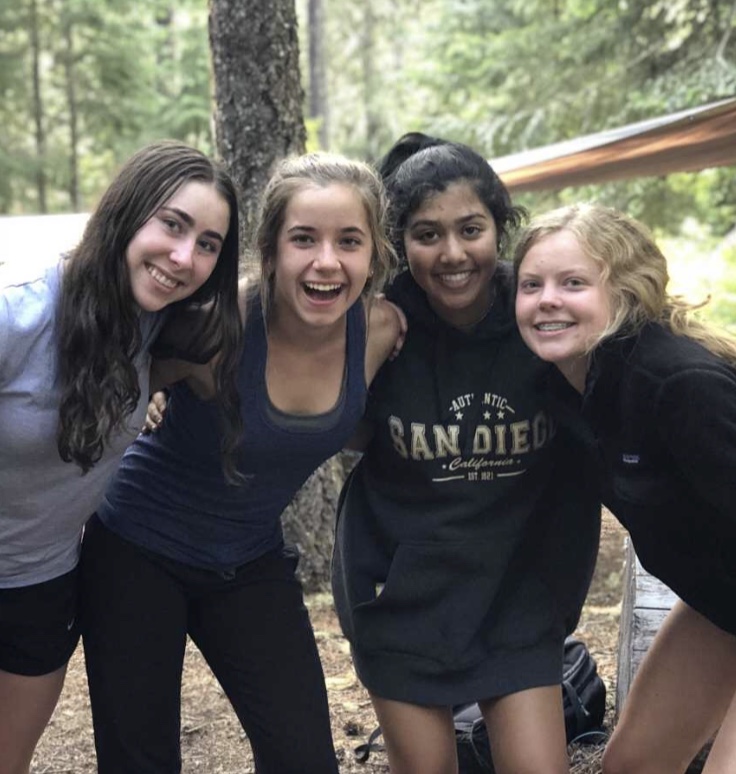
<point x="355" y="349"/>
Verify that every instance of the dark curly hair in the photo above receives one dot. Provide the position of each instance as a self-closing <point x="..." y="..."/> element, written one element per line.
<point x="97" y="329"/>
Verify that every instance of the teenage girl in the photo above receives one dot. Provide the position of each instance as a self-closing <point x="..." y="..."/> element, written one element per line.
<point x="74" y="340"/>
<point x="656" y="390"/>
<point x="452" y="573"/>
<point x="179" y="547"/>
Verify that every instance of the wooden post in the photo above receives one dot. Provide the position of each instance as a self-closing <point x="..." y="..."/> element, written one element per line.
<point x="644" y="607"/>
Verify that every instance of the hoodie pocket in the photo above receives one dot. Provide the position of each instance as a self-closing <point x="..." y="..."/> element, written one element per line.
<point x="443" y="603"/>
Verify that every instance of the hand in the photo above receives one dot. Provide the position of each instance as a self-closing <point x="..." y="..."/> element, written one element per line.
<point x="155" y="412"/>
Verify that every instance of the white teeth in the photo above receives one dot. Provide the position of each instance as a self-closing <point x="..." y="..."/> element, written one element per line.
<point x="457" y="278"/>
<point x="161" y="278"/>
<point x="324" y="288"/>
<point x="553" y="326"/>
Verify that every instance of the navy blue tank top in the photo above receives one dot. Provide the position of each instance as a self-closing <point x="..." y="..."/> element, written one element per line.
<point x="170" y="494"/>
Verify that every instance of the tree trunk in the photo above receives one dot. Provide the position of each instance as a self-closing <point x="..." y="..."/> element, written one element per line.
<point x="318" y="102"/>
<point x="71" y="98"/>
<point x="372" y="118"/>
<point x="258" y="121"/>
<point x="40" y="131"/>
<point x="258" y="92"/>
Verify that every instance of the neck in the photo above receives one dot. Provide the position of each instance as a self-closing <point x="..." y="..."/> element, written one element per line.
<point x="469" y="326"/>
<point x="294" y="333"/>
<point x="575" y="372"/>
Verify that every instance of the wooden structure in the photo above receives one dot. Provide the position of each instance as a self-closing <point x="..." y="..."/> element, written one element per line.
<point x="692" y="139"/>
<point x="646" y="602"/>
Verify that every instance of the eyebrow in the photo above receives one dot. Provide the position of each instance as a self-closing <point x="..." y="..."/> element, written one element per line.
<point x="464" y="219"/>
<point x="310" y="229"/>
<point x="189" y="220"/>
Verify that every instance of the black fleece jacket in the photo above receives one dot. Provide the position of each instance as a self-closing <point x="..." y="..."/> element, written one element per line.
<point x="662" y="411"/>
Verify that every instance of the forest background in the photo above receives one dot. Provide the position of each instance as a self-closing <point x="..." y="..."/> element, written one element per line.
<point x="86" y="82"/>
<point x="83" y="83"/>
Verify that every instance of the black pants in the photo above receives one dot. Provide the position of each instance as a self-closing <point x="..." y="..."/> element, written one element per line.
<point x="253" y="630"/>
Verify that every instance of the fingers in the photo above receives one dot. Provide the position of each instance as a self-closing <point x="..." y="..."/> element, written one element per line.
<point x="403" y="328"/>
<point x="155" y="412"/>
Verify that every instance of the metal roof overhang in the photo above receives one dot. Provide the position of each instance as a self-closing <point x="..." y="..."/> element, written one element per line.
<point x="689" y="140"/>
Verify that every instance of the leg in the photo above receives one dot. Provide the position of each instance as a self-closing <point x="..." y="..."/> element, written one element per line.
<point x="26" y="705"/>
<point x="38" y="634"/>
<point x="134" y="634"/>
<point x="419" y="739"/>
<point x="679" y="697"/>
<point x="527" y="732"/>
<point x="722" y="757"/>
<point x="255" y="633"/>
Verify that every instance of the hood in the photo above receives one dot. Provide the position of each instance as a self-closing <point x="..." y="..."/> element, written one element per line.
<point x="457" y="358"/>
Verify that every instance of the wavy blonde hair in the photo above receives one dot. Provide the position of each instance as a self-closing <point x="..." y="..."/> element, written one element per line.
<point x="633" y="269"/>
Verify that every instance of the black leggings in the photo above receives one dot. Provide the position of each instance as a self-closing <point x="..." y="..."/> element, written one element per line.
<point x="253" y="630"/>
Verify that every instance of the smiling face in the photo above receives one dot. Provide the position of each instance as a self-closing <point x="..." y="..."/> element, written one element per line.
<point x="450" y="245"/>
<point x="324" y="252"/>
<point x="562" y="304"/>
<point x="173" y="254"/>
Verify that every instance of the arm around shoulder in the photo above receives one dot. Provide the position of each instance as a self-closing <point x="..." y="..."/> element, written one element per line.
<point x="386" y="330"/>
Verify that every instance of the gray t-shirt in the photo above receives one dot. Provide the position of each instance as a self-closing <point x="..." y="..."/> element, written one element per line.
<point x="44" y="502"/>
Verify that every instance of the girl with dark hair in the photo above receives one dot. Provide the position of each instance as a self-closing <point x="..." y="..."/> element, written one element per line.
<point x="74" y="341"/>
<point x="657" y="388"/>
<point x="451" y="572"/>
<point x="177" y="550"/>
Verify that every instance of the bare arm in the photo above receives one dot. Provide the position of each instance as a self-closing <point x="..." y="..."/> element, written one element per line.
<point x="385" y="337"/>
<point x="386" y="330"/>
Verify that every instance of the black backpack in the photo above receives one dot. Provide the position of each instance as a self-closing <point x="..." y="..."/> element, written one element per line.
<point x="583" y="702"/>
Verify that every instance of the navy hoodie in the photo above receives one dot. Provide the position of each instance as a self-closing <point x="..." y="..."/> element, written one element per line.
<point x="455" y="530"/>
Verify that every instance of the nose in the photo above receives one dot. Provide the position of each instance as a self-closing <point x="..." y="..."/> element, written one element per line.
<point x="327" y="259"/>
<point x="453" y="252"/>
<point x="549" y="297"/>
<point x="182" y="254"/>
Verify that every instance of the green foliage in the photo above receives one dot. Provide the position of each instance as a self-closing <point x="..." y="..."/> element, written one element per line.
<point x="114" y="75"/>
<point x="722" y="309"/>
<point x="501" y="75"/>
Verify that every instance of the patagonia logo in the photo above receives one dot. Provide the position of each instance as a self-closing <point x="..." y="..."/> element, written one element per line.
<point x="630" y="459"/>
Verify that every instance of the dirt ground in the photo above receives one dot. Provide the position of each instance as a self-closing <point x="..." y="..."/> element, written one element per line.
<point x="213" y="742"/>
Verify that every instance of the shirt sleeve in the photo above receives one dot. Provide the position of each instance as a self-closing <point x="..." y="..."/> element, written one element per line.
<point x="696" y="415"/>
<point x="5" y="327"/>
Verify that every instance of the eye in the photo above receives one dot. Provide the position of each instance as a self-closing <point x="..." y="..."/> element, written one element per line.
<point x="303" y="240"/>
<point x="171" y="223"/>
<point x="208" y="246"/>
<point x="351" y="242"/>
<point x="426" y="237"/>
<point x="528" y="285"/>
<point x="574" y="282"/>
<point x="472" y="231"/>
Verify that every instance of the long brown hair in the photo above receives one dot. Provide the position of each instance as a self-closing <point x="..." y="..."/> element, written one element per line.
<point x="97" y="327"/>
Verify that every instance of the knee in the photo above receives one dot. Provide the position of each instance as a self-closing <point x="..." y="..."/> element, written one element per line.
<point x="620" y="759"/>
<point x="612" y="762"/>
